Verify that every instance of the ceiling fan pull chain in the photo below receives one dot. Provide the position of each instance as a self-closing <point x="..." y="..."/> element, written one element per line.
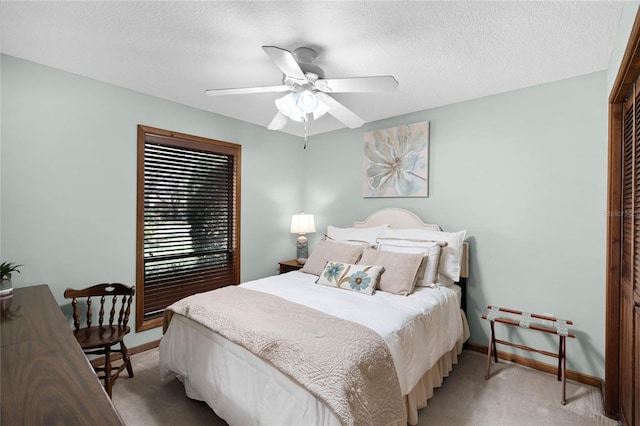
<point x="305" y="132"/>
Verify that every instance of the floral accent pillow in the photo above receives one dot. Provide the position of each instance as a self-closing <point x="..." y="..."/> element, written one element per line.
<point x="359" y="278"/>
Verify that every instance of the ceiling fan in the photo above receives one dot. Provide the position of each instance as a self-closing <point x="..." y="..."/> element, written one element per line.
<point x="308" y="89"/>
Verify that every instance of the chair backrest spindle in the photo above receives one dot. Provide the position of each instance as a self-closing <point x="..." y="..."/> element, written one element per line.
<point x="89" y="313"/>
<point x="121" y="310"/>
<point x="101" y="316"/>
<point x="76" y="314"/>
<point x="128" y="311"/>
<point x="112" y="314"/>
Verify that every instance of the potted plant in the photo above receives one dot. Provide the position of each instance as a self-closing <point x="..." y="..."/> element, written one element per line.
<point x="6" y="269"/>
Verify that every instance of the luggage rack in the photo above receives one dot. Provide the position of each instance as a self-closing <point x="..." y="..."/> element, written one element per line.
<point x="527" y="320"/>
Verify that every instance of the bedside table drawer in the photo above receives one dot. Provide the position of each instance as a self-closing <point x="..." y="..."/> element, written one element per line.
<point x="289" y="265"/>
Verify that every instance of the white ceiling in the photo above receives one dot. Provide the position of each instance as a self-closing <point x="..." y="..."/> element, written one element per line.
<point x="440" y="52"/>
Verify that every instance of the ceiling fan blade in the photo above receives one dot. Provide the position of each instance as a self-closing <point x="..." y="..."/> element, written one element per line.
<point x="384" y="83"/>
<point x="340" y="112"/>
<point x="278" y="122"/>
<point x="246" y="90"/>
<point x="286" y="62"/>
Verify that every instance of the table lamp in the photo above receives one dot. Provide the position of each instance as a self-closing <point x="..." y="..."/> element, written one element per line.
<point x="302" y="224"/>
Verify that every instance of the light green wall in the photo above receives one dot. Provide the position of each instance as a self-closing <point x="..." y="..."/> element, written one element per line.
<point x="68" y="175"/>
<point x="524" y="173"/>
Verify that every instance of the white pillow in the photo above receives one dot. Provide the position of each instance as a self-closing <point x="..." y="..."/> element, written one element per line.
<point x="370" y="235"/>
<point x="451" y="255"/>
<point x="358" y="278"/>
<point x="428" y="271"/>
<point x="349" y="242"/>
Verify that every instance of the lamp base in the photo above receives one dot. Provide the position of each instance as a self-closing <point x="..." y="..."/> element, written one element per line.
<point x="302" y="251"/>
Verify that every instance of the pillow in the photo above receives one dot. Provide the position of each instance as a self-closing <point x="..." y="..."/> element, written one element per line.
<point x="350" y="242"/>
<point x="356" y="234"/>
<point x="451" y="255"/>
<point x="325" y="251"/>
<point x="428" y="271"/>
<point x="359" y="278"/>
<point x="400" y="269"/>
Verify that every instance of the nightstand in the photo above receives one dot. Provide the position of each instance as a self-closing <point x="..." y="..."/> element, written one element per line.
<point x="289" y="265"/>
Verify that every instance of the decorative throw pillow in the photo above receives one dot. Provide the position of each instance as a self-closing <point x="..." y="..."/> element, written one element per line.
<point x="400" y="269"/>
<point x="326" y="251"/>
<point x="359" y="278"/>
<point x="428" y="271"/>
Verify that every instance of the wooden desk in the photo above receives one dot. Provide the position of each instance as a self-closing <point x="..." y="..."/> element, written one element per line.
<point x="46" y="378"/>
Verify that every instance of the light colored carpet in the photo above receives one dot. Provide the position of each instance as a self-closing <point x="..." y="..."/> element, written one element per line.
<point x="513" y="396"/>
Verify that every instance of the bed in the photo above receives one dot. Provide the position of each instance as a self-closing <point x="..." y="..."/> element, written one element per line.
<point x="422" y="333"/>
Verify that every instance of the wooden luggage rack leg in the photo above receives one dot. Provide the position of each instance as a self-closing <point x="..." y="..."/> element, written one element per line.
<point x="492" y="346"/>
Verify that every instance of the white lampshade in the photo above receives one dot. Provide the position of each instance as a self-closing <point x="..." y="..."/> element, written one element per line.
<point x="307" y="102"/>
<point x="287" y="106"/>
<point x="302" y="224"/>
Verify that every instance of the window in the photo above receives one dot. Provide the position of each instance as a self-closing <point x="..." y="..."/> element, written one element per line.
<point x="188" y="223"/>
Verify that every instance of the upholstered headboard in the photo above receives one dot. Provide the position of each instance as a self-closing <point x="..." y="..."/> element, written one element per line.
<point x="395" y="218"/>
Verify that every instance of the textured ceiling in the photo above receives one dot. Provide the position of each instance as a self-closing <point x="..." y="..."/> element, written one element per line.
<point x="440" y="52"/>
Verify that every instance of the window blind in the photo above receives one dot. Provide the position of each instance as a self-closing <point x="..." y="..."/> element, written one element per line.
<point x="190" y="220"/>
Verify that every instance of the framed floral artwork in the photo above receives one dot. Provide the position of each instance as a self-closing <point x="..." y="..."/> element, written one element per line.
<point x="396" y="162"/>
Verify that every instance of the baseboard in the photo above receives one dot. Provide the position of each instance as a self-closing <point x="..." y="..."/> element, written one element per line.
<point x="97" y="362"/>
<point x="541" y="366"/>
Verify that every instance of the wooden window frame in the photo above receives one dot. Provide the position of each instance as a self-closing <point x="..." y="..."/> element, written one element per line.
<point x="191" y="142"/>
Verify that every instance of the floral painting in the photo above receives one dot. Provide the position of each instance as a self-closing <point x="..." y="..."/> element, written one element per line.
<point x="396" y="162"/>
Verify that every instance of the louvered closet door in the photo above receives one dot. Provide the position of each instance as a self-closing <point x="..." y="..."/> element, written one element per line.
<point x="628" y="374"/>
<point x="636" y="351"/>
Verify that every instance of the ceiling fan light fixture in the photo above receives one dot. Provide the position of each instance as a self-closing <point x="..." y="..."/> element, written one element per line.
<point x="288" y="106"/>
<point x="321" y="110"/>
<point x="307" y="102"/>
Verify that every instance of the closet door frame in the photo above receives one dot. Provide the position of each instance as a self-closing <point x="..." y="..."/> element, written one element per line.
<point x="627" y="73"/>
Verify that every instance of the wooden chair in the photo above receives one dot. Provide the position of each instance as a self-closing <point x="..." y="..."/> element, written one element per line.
<point x="98" y="340"/>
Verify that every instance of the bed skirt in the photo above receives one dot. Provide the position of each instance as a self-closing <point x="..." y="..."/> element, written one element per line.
<point x="417" y="398"/>
<point x="197" y="384"/>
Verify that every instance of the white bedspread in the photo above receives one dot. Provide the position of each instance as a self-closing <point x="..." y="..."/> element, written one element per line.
<point x="242" y="389"/>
